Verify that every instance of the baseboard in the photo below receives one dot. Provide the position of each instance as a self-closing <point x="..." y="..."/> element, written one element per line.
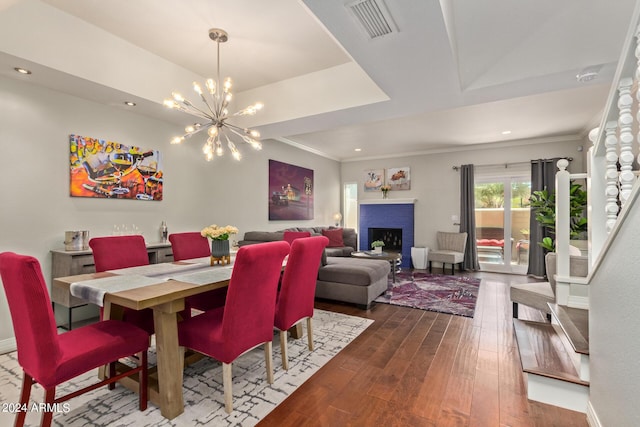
<point x="8" y="345"/>
<point x="592" y="417"/>
<point x="578" y="302"/>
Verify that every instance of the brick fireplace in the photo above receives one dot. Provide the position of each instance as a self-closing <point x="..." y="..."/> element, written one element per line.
<point x="388" y="219"/>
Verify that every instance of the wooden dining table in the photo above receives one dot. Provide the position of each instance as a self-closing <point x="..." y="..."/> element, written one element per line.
<point x="166" y="298"/>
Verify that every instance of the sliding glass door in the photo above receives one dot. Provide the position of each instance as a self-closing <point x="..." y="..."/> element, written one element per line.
<point x="502" y="221"/>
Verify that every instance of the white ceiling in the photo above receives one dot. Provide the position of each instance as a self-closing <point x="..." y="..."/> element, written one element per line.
<point x="454" y="73"/>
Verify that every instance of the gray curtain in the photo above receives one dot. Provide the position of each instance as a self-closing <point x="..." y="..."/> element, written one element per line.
<point x="468" y="217"/>
<point x="543" y="175"/>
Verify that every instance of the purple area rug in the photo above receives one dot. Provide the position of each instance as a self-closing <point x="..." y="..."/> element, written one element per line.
<point x="433" y="292"/>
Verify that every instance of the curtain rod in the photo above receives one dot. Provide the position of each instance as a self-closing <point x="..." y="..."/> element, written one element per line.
<point x="507" y="164"/>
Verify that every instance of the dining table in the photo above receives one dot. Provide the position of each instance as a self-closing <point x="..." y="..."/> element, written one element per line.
<point x="162" y="288"/>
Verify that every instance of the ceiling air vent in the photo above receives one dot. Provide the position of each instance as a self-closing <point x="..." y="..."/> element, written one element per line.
<point x="373" y="16"/>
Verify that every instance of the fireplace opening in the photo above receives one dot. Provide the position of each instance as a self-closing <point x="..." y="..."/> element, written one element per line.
<point x="392" y="237"/>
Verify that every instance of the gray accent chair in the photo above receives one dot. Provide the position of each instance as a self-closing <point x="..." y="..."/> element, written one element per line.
<point x="539" y="294"/>
<point x="451" y="247"/>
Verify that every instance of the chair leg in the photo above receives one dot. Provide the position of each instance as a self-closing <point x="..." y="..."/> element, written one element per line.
<point x="429" y="266"/>
<point x="515" y="310"/>
<point x="143" y="377"/>
<point x="268" y="360"/>
<point x="47" y="415"/>
<point x="112" y="373"/>
<point x="310" y="333"/>
<point x="283" y="350"/>
<point x="227" y="379"/>
<point x="27" y="382"/>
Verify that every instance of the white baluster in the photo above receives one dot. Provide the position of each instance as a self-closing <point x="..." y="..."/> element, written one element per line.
<point x="625" y="122"/>
<point x="563" y="183"/>
<point x="611" y="175"/>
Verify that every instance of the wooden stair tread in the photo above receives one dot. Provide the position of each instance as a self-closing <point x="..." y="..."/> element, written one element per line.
<point x="575" y="324"/>
<point x="542" y="352"/>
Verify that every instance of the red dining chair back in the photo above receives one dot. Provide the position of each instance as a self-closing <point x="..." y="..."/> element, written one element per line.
<point x="246" y="320"/>
<point x="298" y="288"/>
<point x="116" y="252"/>
<point x="113" y="253"/>
<point x="192" y="245"/>
<point x="189" y="245"/>
<point x="51" y="359"/>
<point x="290" y="236"/>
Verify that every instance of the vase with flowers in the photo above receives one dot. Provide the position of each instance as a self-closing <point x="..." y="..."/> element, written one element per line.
<point x="219" y="241"/>
<point x="385" y="189"/>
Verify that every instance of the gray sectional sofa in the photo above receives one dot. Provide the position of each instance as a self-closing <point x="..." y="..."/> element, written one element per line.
<point x="340" y="277"/>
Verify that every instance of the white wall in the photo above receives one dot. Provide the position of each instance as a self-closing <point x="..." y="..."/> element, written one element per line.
<point x="436" y="186"/>
<point x="613" y="328"/>
<point x="36" y="210"/>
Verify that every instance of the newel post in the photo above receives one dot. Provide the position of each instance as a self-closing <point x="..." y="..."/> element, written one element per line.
<point x="562" y="218"/>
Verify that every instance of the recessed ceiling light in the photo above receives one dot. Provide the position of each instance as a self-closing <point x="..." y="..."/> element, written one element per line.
<point x="22" y="70"/>
<point x="358" y="149"/>
<point x="130" y="103"/>
<point x="506" y="132"/>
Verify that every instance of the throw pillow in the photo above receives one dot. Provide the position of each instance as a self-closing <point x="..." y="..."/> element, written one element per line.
<point x="335" y="237"/>
<point x="290" y="236"/>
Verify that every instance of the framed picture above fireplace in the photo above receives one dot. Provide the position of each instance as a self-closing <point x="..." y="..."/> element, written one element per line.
<point x="373" y="179"/>
<point x="399" y="178"/>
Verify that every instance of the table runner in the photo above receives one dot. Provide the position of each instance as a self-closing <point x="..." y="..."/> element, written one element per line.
<point x="94" y="290"/>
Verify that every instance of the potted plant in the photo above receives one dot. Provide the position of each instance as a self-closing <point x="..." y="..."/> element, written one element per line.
<point x="377" y="245"/>
<point x="544" y="205"/>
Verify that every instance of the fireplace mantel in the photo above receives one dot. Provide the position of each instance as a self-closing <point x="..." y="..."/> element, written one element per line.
<point x="388" y="201"/>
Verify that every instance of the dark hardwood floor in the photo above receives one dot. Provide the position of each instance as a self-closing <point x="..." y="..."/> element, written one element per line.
<point x="420" y="368"/>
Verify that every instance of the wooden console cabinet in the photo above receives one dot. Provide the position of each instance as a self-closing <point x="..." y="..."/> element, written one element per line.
<point x="69" y="263"/>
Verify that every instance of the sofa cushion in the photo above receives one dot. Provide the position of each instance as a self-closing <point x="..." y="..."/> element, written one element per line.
<point x="335" y="237"/>
<point x="290" y="236"/>
<point x="341" y="251"/>
<point x="353" y="271"/>
<point x="264" y="236"/>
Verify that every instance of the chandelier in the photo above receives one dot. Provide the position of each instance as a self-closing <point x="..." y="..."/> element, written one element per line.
<point x="215" y="112"/>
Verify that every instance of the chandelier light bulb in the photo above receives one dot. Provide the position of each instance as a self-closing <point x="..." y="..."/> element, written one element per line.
<point x="211" y="86"/>
<point x="215" y="113"/>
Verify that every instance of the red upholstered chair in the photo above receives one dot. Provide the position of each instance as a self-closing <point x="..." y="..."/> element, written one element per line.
<point x="113" y="253"/>
<point x="246" y="320"/>
<point x="50" y="359"/>
<point x="192" y="245"/>
<point x="290" y="236"/>
<point x="298" y="288"/>
<point x="189" y="245"/>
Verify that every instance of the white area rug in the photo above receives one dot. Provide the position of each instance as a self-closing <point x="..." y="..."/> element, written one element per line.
<point x="253" y="397"/>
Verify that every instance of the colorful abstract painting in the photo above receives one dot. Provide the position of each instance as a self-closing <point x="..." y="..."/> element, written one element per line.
<point x="107" y="169"/>
<point x="290" y="192"/>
